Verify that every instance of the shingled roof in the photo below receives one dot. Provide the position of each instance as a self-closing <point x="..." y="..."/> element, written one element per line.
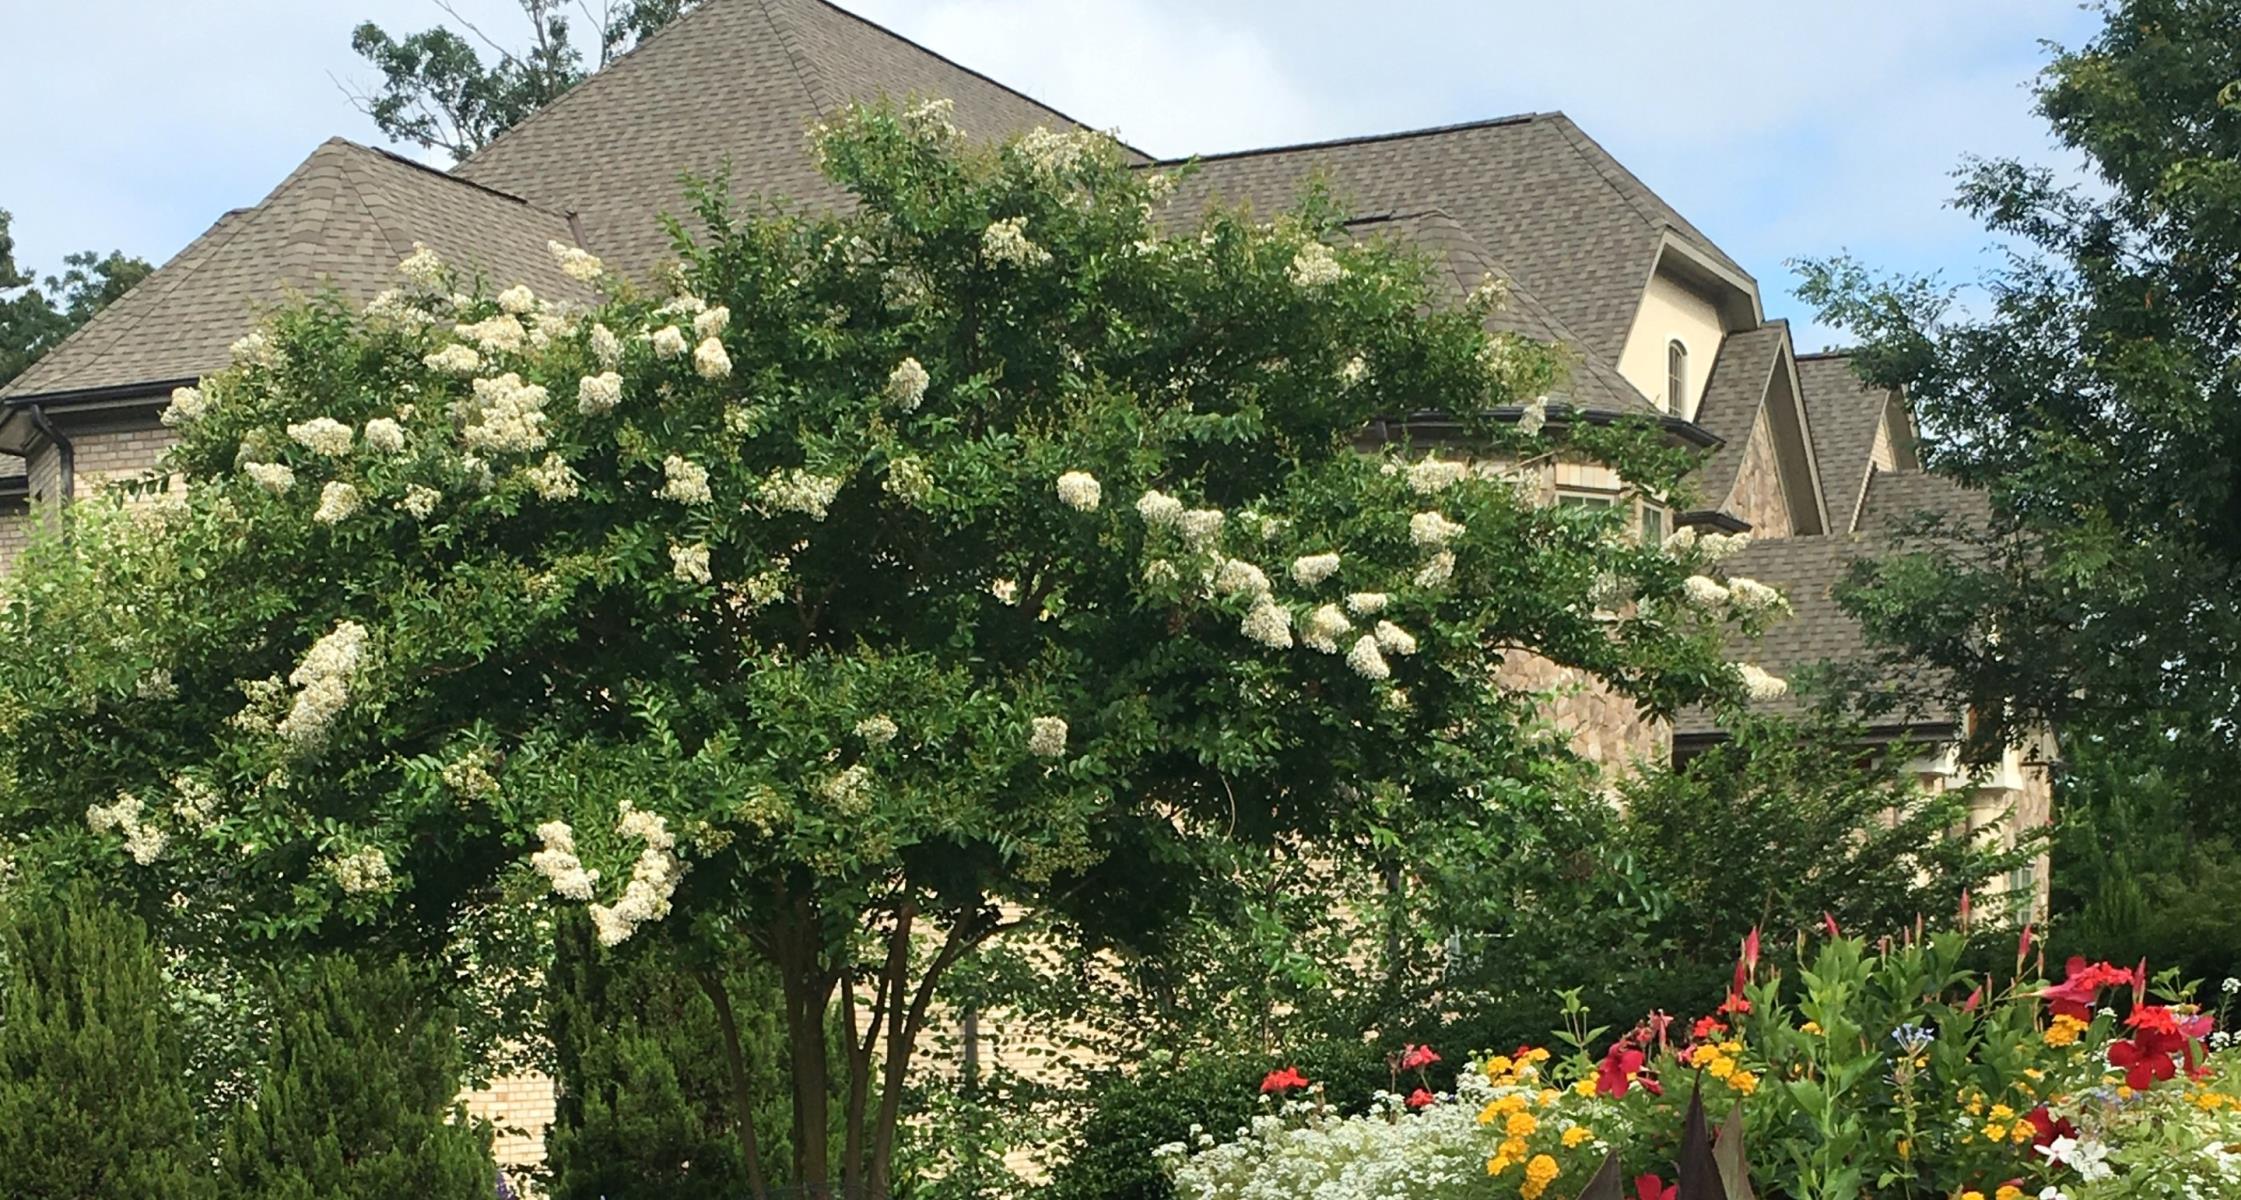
<point x="735" y="82"/>
<point x="1899" y="499"/>
<point x="1547" y="203"/>
<point x="1732" y="399"/>
<point x="1842" y="413"/>
<point x="342" y="219"/>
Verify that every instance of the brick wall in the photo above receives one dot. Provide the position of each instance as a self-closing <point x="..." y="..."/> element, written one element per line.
<point x="521" y="1106"/>
<point x="15" y="530"/>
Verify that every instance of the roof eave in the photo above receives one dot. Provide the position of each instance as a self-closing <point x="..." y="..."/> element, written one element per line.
<point x="1739" y="294"/>
<point x="1559" y="416"/>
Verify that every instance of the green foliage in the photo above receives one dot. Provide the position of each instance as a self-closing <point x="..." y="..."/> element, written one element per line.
<point x="436" y="92"/>
<point x="359" y="1096"/>
<point x="37" y="315"/>
<point x="93" y="1103"/>
<point x="645" y="1092"/>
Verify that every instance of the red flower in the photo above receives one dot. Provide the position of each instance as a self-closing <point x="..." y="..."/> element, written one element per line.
<point x="1616" y="1073"/>
<point x="1650" y="1187"/>
<point x="2158" y="1036"/>
<point x="1415" y="1057"/>
<point x="1734" y="1005"/>
<point x="1975" y="998"/>
<point x="1282" y="1081"/>
<point x="2046" y="1128"/>
<point x="1420" y="1099"/>
<point x="1707" y="1028"/>
<point x="1829" y="923"/>
<point x="2076" y="995"/>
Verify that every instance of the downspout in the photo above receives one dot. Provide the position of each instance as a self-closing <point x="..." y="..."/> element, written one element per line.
<point x="65" y="454"/>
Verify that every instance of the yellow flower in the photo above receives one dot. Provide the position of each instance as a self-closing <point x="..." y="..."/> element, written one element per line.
<point x="1906" y="1148"/>
<point x="1995" y="1133"/>
<point x="2124" y="1093"/>
<point x="1541" y="1172"/>
<point x="2064" y="1031"/>
<point x="1810" y="1027"/>
<point x="2008" y="1191"/>
<point x="1577" y="1134"/>
<point x="1720" y="1068"/>
<point x="2021" y="1133"/>
<point x="1498" y="1065"/>
<point x="2001" y="1112"/>
<point x="1499" y="1163"/>
<point x="1521" y="1124"/>
<point x="1585" y="1087"/>
<point x="1513" y="1149"/>
<point x="1536" y="1055"/>
<point x="1731" y="1047"/>
<point x="1972" y="1194"/>
<point x="1549" y="1096"/>
<point x="2033" y="1073"/>
<point x="1744" y="1083"/>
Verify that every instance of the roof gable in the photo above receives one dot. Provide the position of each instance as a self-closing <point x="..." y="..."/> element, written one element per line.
<point x="341" y="219"/>
<point x="1754" y="382"/>
<point x="1843" y="413"/>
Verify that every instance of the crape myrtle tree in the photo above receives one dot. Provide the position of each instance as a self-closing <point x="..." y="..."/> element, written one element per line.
<point x="980" y="557"/>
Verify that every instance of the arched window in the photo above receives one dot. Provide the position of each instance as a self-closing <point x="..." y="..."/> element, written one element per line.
<point x="1676" y="376"/>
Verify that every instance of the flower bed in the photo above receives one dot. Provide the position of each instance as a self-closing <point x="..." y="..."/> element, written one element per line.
<point x="1883" y="1073"/>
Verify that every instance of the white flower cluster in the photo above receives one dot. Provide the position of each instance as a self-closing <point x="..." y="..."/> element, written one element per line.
<point x="596" y="394"/>
<point x="187" y="406"/>
<point x="684" y="481"/>
<point x="1293" y="1151"/>
<point x="1366" y="660"/>
<point x="553" y="479"/>
<point x="849" y="790"/>
<point x="1353" y="371"/>
<point x="1432" y="530"/>
<point x="908" y="480"/>
<point x="1711" y="547"/>
<point x="931" y="118"/>
<point x="669" y="342"/>
<point x="1703" y="591"/>
<point x="653" y="879"/>
<point x="197" y="802"/>
<point x="689" y="564"/>
<point x="1749" y="596"/>
<point x="454" y="359"/>
<point x="1533" y="417"/>
<point x="1435" y="474"/>
<point x="605" y="346"/>
<point x="1080" y="491"/>
<point x="1046" y="737"/>
<point x="558" y="863"/>
<point x="709" y="358"/>
<point x="1006" y="242"/>
<point x="1159" y="509"/>
<point x="1050" y="153"/>
<point x="576" y="262"/>
<point x="143" y="842"/>
<point x="338" y="502"/>
<point x="385" y="436"/>
<point x="1760" y="685"/>
<point x="254" y="349"/>
<point x="518" y="300"/>
<point x="1367" y="604"/>
<point x="1236" y="577"/>
<point x="422" y="266"/>
<point x="906" y="384"/>
<point x="507" y="416"/>
<point x="877" y="730"/>
<point x="711" y="321"/>
<point x="501" y="334"/>
<point x="1315" y="266"/>
<point x="1324" y="627"/>
<point x="323" y="683"/>
<point x="361" y="871"/>
<point x="800" y="491"/>
<point x="1437" y="570"/>
<point x="323" y="436"/>
<point x="1392" y="639"/>
<point x="392" y="306"/>
<point x="420" y="501"/>
<point x="1311" y="569"/>
<point x="1200" y="526"/>
<point x="469" y="777"/>
<point x="1268" y="623"/>
<point x="276" y="478"/>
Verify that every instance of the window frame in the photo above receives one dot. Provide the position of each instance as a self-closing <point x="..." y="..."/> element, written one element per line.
<point x="1676" y="375"/>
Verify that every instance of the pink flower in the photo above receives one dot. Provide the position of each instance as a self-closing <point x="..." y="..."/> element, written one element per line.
<point x="1417" y="1057"/>
<point x="1282" y="1081"/>
<point x="1420" y="1099"/>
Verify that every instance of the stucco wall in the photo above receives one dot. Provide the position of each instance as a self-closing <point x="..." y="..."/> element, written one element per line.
<point x="1671" y="311"/>
<point x="1757" y="496"/>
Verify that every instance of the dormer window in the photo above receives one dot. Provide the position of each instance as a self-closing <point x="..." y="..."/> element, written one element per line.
<point x="1676" y="375"/>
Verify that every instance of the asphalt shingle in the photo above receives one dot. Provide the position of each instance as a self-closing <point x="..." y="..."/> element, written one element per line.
<point x="1732" y="399"/>
<point x="1843" y="413"/>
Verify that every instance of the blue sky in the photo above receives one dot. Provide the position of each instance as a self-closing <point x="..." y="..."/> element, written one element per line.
<point x="1781" y="129"/>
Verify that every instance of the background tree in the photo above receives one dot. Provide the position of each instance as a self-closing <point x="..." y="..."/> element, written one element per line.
<point x="893" y="584"/>
<point x="93" y="1098"/>
<point x="436" y="92"/>
<point x="34" y="315"/>
<point x="359" y="1097"/>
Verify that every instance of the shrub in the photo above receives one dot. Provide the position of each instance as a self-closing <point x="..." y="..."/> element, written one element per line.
<point x="359" y="1096"/>
<point x="93" y="1103"/>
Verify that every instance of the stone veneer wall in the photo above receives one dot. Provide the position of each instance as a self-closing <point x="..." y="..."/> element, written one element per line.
<point x="1757" y="496"/>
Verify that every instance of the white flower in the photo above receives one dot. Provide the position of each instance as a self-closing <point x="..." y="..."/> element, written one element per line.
<point x="1394" y="640"/>
<point x="361" y="871"/>
<point x="384" y="435"/>
<point x="1159" y="508"/>
<point x="454" y="359"/>
<point x="1366" y="604"/>
<point x="122" y="813"/>
<point x="1680" y="542"/>
<point x="605" y="346"/>
<point x="1365" y="660"/>
<point x="517" y="299"/>
<point x="507" y="416"/>
<point x="552" y="479"/>
<point x="653" y="878"/>
<point x="469" y="778"/>
<point x="1760" y="685"/>
<point x="1431" y="530"/>
<point x="1533" y="417"/>
<point x="575" y="262"/>
<point x="1718" y="546"/>
<point x="1702" y="591"/>
<point x="558" y="863"/>
<point x="669" y="342"/>
<point x="1200" y="525"/>
<point x="1050" y="153"/>
<point x="689" y="563"/>
<point x="1435" y="474"/>
<point x="1268" y="623"/>
<point x="272" y="477"/>
<point x="1324" y="627"/>
<point x="422" y="266"/>
<point x="684" y="481"/>
<point x="323" y="681"/>
<point x="596" y="394"/>
<point x="800" y="491"/>
<point x="710" y="360"/>
<point x="908" y="480"/>
<point x="1437" y="570"/>
<point x="1353" y="371"/>
<point x="1006" y="591"/>
<point x="323" y="436"/>
<point x="931" y="118"/>
<point x="711" y="321"/>
<point x="338" y="502"/>
<point x="1311" y="569"/>
<point x="1751" y="596"/>
<point x="1236" y="577"/>
<point x="1315" y="266"/>
<point x="144" y="844"/>
<point x="849" y="790"/>
<point x="1046" y="737"/>
<point x="2231" y="986"/>
<point x="502" y="334"/>
<point x="906" y="384"/>
<point x="197" y="802"/>
<point x="1079" y="490"/>
<point x="187" y="406"/>
<point x="1160" y="573"/>
<point x="1006" y="242"/>
<point x="877" y="730"/>
<point x="685" y="304"/>
<point x="420" y="501"/>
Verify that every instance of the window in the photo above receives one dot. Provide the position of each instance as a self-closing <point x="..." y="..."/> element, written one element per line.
<point x="1572" y="499"/>
<point x="1653" y="524"/>
<point x="1676" y="375"/>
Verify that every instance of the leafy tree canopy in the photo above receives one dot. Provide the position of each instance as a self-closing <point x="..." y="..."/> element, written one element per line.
<point x="980" y="557"/>
<point x="35" y="314"/>
<point x="2092" y="391"/>
<point x="437" y="93"/>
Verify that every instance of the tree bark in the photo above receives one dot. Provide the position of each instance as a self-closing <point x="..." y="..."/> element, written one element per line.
<point x="742" y="1092"/>
<point x="807" y="986"/>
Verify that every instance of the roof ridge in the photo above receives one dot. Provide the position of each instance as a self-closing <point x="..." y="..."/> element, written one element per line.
<point x="806" y="71"/>
<point x="364" y="182"/>
<point x="1632" y="189"/>
<point x="1361" y="139"/>
<point x="402" y="160"/>
<point x="1846" y="352"/>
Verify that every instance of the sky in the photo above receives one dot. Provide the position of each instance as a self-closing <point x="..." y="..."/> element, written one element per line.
<point x="1781" y="129"/>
